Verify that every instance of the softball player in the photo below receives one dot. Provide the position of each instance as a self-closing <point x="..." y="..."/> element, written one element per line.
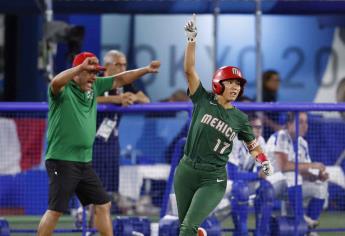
<point x="200" y="178"/>
<point x="312" y="174"/>
<point x="248" y="180"/>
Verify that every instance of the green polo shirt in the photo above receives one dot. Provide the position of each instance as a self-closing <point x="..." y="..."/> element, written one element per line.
<point x="72" y="121"/>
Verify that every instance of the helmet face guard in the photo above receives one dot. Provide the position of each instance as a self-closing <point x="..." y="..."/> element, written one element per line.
<point x="227" y="73"/>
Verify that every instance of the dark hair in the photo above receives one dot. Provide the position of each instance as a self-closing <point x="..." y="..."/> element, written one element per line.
<point x="267" y="75"/>
<point x="253" y="116"/>
<point x="290" y="117"/>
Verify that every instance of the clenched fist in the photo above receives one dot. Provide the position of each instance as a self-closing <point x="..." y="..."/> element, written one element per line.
<point x="154" y="66"/>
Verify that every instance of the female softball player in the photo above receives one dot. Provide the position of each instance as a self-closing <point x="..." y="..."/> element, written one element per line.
<point x="200" y="178"/>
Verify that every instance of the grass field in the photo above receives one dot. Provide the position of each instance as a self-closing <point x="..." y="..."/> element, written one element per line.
<point x="328" y="220"/>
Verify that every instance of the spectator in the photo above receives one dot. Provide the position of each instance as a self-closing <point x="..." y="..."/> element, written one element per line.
<point x="312" y="176"/>
<point x="270" y="89"/>
<point x="107" y="149"/>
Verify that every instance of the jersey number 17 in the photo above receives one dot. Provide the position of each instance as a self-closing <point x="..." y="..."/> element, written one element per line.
<point x="221" y="146"/>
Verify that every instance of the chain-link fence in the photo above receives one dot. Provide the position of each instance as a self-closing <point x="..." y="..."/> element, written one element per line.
<point x="137" y="157"/>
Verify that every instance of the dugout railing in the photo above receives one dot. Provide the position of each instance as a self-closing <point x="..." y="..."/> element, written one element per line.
<point x="148" y="135"/>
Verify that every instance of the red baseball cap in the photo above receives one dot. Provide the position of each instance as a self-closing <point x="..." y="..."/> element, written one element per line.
<point x="80" y="58"/>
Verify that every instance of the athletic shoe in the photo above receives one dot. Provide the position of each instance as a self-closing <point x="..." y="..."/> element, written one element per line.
<point x="310" y="222"/>
<point x="202" y="232"/>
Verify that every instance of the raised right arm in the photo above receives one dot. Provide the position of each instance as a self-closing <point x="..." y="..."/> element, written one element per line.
<point x="189" y="59"/>
<point x="61" y="79"/>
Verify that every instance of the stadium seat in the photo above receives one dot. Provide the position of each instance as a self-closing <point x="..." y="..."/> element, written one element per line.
<point x="4" y="227"/>
<point x="284" y="226"/>
<point x="129" y="226"/>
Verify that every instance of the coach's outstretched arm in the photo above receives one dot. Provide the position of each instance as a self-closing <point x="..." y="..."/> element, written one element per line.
<point x="129" y="76"/>
<point x="189" y="57"/>
<point x="61" y="79"/>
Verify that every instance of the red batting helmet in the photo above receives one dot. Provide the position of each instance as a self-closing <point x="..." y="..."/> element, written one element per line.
<point x="80" y="58"/>
<point x="226" y="73"/>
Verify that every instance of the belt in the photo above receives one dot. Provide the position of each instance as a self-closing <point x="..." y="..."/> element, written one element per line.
<point x="201" y="166"/>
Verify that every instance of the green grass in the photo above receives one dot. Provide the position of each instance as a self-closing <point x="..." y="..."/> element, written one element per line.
<point x="31" y="222"/>
<point x="328" y="220"/>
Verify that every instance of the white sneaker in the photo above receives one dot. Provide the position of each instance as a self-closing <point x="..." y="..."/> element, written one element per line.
<point x="311" y="223"/>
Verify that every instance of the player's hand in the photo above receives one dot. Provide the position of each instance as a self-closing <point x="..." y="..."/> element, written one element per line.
<point x="154" y="66"/>
<point x="191" y="30"/>
<point x="267" y="168"/>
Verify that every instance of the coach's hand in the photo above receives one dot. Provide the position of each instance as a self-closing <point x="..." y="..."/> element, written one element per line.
<point x="89" y="64"/>
<point x="191" y="30"/>
<point x="154" y="66"/>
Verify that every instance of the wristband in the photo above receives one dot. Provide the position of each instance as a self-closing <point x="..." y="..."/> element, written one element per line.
<point x="261" y="158"/>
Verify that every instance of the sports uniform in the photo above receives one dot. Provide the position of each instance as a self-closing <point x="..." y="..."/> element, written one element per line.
<point x="316" y="191"/>
<point x="200" y="178"/>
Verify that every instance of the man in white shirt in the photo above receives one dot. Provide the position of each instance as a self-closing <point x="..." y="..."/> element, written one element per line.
<point x="280" y="150"/>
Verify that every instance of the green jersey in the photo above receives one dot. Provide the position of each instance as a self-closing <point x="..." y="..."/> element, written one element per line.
<point x="72" y="121"/>
<point x="213" y="129"/>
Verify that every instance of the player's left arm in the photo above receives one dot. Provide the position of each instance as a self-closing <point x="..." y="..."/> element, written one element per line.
<point x="257" y="152"/>
<point x="246" y="134"/>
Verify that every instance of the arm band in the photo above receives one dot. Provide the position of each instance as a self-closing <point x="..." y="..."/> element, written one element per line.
<point x="261" y="158"/>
